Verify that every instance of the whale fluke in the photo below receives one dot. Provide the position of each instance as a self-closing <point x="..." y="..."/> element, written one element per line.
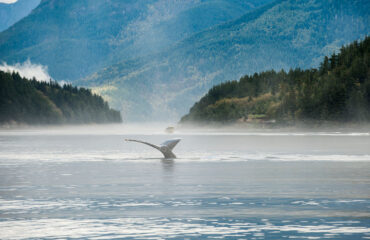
<point x="165" y="148"/>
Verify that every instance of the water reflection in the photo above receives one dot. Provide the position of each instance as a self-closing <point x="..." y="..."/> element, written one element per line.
<point x="222" y="186"/>
<point x="168" y="165"/>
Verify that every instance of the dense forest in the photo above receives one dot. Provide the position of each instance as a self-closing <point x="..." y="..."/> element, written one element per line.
<point x="24" y="101"/>
<point x="339" y="90"/>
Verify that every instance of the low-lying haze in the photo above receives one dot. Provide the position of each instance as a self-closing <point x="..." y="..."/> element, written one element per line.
<point x="28" y="70"/>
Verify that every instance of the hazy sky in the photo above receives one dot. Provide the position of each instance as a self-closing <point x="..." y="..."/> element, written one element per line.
<point x="8" y="1"/>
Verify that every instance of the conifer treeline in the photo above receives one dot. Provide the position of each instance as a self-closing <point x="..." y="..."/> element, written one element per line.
<point x="338" y="91"/>
<point x="32" y="102"/>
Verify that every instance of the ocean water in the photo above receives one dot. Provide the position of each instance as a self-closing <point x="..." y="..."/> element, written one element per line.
<point x="89" y="183"/>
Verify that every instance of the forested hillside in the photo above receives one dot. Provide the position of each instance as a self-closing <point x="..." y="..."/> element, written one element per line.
<point x="24" y="101"/>
<point x="281" y="35"/>
<point x="339" y="90"/>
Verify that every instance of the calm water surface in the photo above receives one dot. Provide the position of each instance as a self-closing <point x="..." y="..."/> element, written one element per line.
<point x="89" y="183"/>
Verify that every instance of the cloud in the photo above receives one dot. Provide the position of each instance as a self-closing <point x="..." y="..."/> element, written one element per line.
<point x="28" y="70"/>
<point x="8" y="1"/>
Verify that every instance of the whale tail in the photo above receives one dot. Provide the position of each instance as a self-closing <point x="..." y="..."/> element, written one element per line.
<point x="165" y="148"/>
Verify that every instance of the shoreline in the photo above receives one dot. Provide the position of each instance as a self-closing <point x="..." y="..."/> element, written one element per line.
<point x="150" y="128"/>
<point x="281" y="127"/>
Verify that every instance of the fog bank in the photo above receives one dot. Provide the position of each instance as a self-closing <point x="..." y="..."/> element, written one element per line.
<point x="28" y="70"/>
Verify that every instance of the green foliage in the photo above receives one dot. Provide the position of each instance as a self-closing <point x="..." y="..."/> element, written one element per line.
<point x="338" y="91"/>
<point x="33" y="102"/>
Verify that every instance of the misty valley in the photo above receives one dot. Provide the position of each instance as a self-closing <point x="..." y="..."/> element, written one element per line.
<point x="338" y="91"/>
<point x="187" y="119"/>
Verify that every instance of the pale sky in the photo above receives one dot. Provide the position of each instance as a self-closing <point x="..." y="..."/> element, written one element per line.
<point x="7" y="1"/>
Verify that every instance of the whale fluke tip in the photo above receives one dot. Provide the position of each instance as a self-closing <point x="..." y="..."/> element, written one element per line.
<point x="165" y="148"/>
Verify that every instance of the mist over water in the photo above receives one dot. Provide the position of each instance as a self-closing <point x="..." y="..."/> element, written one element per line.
<point x="87" y="182"/>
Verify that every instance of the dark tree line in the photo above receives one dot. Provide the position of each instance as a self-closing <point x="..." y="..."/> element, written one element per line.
<point x="32" y="102"/>
<point x="339" y="90"/>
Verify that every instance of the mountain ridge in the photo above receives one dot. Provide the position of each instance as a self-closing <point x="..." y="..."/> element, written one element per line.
<point x="283" y="34"/>
<point x="85" y="35"/>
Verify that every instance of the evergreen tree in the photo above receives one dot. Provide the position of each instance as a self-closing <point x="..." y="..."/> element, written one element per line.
<point x="338" y="91"/>
<point x="33" y="102"/>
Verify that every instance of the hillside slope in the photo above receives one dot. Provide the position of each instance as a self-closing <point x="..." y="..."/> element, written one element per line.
<point x="284" y="34"/>
<point x="31" y="102"/>
<point x="338" y="91"/>
<point x="76" y="38"/>
<point x="12" y="13"/>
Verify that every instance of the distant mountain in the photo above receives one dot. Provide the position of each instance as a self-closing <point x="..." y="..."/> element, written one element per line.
<point x="284" y="34"/>
<point x="76" y="38"/>
<point x="12" y="13"/>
